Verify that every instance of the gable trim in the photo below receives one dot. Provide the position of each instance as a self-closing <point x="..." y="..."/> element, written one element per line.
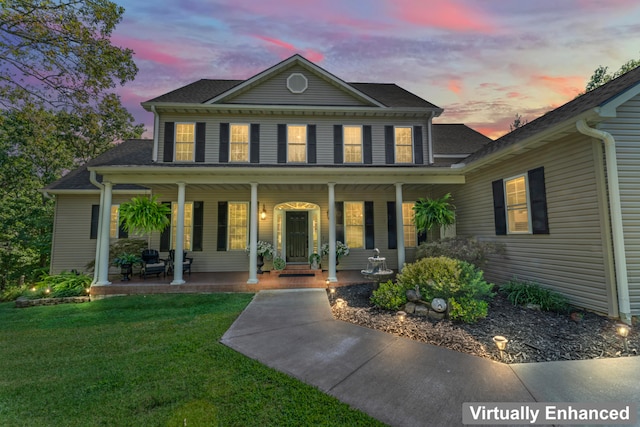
<point x="299" y="60"/>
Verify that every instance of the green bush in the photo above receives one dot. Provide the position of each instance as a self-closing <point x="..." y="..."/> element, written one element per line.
<point x="12" y="293"/>
<point x="467" y="309"/>
<point x="463" y="248"/>
<point x="65" y="284"/>
<point x="444" y="277"/>
<point x="522" y="292"/>
<point x="389" y="296"/>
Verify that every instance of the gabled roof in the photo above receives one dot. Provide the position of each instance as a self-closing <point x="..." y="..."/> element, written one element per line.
<point x="457" y="138"/>
<point x="608" y="94"/>
<point x="134" y="152"/>
<point x="207" y="91"/>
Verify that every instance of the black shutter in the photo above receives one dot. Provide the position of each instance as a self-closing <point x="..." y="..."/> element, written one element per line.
<point x="337" y="145"/>
<point x="340" y="222"/>
<point x="538" y="198"/>
<point x="168" y="141"/>
<point x="254" y="145"/>
<point x="201" y="132"/>
<point x="418" y="155"/>
<point x="422" y="237"/>
<point x="282" y="143"/>
<point x="95" y="216"/>
<point x="367" y="148"/>
<point x="391" y="225"/>
<point x="198" y="224"/>
<point x="369" y="237"/>
<point x="311" y="144"/>
<point x="122" y="233"/>
<point x="389" y="145"/>
<point x="499" y="209"/>
<point x="223" y="156"/>
<point x="222" y="225"/>
<point x="165" y="236"/>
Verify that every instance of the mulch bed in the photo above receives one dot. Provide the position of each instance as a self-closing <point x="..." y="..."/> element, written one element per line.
<point x="534" y="336"/>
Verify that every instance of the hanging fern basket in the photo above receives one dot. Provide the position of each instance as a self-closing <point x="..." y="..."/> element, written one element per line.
<point x="143" y="215"/>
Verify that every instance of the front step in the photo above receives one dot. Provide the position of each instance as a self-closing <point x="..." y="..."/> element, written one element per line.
<point x="299" y="270"/>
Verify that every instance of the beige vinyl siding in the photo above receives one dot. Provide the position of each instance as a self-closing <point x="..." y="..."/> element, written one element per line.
<point x="319" y="92"/>
<point x="269" y="133"/>
<point x="625" y="129"/>
<point x="72" y="248"/>
<point x="571" y="259"/>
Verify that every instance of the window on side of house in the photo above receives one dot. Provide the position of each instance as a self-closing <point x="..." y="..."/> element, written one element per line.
<point x="410" y="234"/>
<point x="239" y="143"/>
<point x="238" y="228"/>
<point x="404" y="144"/>
<point x="352" y="136"/>
<point x="517" y="204"/>
<point x="188" y="225"/>
<point x="185" y="142"/>
<point x="354" y="224"/>
<point x="296" y="143"/>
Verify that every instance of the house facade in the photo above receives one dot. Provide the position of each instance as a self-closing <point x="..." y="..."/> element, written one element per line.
<point x="300" y="158"/>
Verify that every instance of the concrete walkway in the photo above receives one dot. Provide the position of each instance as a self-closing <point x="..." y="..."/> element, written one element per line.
<point x="402" y="382"/>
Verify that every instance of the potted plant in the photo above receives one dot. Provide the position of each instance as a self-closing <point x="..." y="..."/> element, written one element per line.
<point x="342" y="249"/>
<point x="126" y="262"/>
<point x="263" y="250"/>
<point x="314" y="260"/>
<point x="279" y="263"/>
<point x="143" y="215"/>
<point x="429" y="212"/>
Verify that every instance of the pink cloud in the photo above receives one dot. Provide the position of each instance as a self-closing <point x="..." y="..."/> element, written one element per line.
<point x="147" y="50"/>
<point x="284" y="49"/>
<point x="569" y="87"/>
<point x="448" y="15"/>
<point x="455" y="86"/>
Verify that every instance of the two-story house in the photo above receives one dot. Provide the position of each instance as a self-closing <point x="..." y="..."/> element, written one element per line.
<point x="298" y="157"/>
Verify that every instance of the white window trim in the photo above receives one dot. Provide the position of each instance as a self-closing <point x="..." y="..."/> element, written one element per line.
<point x="171" y="243"/>
<point x="395" y="144"/>
<point x="306" y="142"/>
<point x="231" y="125"/>
<point x="175" y="142"/>
<point x="229" y="203"/>
<point x="344" y="144"/>
<point x="344" y="221"/>
<point x="506" y="206"/>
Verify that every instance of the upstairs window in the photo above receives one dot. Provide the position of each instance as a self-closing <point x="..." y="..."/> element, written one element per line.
<point x="239" y="143"/>
<point x="352" y="144"/>
<point x="296" y="143"/>
<point x="185" y="142"/>
<point x="404" y="145"/>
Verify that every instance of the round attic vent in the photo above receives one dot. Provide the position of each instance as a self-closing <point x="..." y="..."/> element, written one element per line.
<point x="297" y="83"/>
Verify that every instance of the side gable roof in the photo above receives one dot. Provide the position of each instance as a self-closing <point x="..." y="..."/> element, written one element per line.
<point x="457" y="138"/>
<point x="134" y="152"/>
<point x="596" y="99"/>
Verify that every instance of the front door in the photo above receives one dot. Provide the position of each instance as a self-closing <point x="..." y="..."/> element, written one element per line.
<point x="297" y="236"/>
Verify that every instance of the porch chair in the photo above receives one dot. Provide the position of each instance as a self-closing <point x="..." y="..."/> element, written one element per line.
<point x="152" y="264"/>
<point x="186" y="262"/>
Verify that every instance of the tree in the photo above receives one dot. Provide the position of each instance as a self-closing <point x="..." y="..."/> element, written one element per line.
<point x="58" y="68"/>
<point x="600" y="75"/>
<point x="517" y="122"/>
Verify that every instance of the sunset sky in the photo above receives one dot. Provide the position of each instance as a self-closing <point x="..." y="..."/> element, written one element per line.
<point x="483" y="61"/>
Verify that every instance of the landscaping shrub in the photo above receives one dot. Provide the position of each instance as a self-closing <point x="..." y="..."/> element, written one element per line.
<point x="463" y="248"/>
<point x="467" y="309"/>
<point x="389" y="296"/>
<point x="12" y="293"/>
<point x="65" y="284"/>
<point x="521" y="292"/>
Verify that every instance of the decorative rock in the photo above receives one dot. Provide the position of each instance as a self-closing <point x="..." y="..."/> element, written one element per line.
<point x="409" y="308"/>
<point x="414" y="295"/>
<point x="531" y="306"/>
<point x="421" y="310"/>
<point x="439" y="305"/>
<point x="435" y="315"/>
<point x="22" y="302"/>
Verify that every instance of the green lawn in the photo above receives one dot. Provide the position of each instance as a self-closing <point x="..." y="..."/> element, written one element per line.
<point x="146" y="361"/>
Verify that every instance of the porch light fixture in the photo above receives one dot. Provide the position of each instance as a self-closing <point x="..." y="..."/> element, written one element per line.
<point x="501" y="343"/>
<point x="623" y="331"/>
<point x="263" y="214"/>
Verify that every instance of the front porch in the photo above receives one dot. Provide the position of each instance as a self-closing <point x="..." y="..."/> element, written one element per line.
<point x="222" y="282"/>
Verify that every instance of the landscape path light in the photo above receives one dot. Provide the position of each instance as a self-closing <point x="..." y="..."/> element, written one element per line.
<point x="401" y="315"/>
<point x="623" y="331"/>
<point x="501" y="343"/>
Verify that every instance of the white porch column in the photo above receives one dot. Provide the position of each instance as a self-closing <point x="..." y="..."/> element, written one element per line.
<point x="253" y="235"/>
<point x="333" y="277"/>
<point x="96" y="264"/>
<point x="178" y="259"/>
<point x="399" y="227"/>
<point x="103" y="236"/>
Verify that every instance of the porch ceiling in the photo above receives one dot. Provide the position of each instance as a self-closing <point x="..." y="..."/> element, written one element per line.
<point x="292" y="188"/>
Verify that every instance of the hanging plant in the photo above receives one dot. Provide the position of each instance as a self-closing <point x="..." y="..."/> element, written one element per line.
<point x="430" y="212"/>
<point x="143" y="215"/>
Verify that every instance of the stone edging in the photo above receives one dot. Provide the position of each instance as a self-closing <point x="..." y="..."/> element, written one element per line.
<point x="25" y="302"/>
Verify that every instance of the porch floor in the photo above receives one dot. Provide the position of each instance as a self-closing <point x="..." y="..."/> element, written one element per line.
<point x="221" y="282"/>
